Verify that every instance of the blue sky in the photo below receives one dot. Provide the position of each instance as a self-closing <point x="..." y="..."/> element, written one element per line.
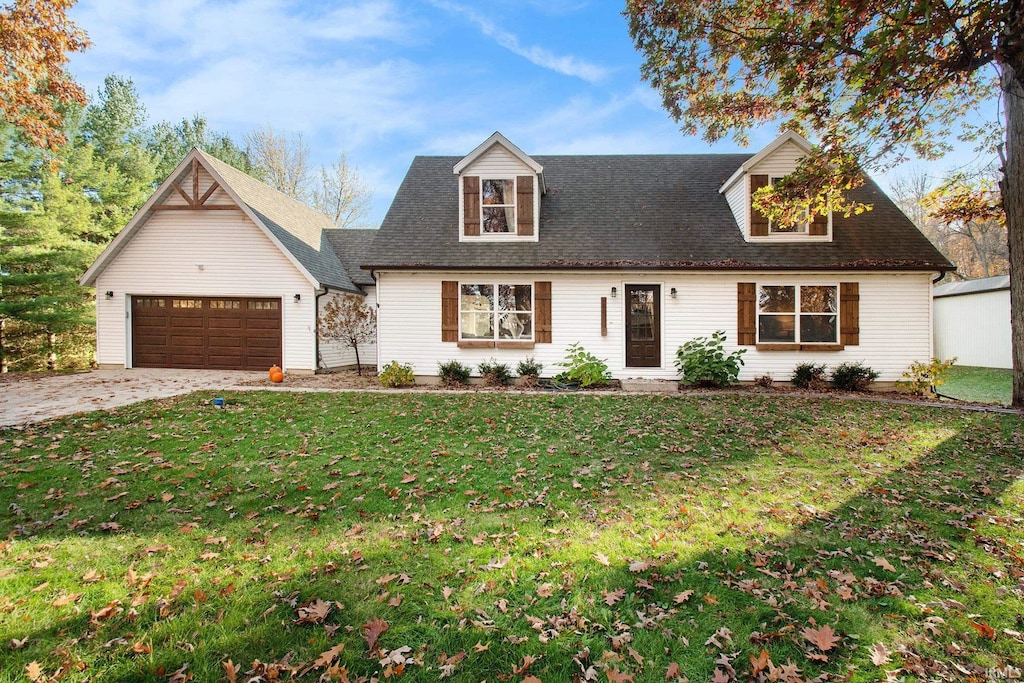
<point x="385" y="80"/>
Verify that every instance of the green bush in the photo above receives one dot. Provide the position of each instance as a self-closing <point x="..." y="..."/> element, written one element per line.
<point x="529" y="367"/>
<point x="809" y="376"/>
<point x="453" y="373"/>
<point x="395" y="375"/>
<point x="702" y="362"/>
<point x="853" y="377"/>
<point x="583" y="367"/>
<point x="495" y="374"/>
<point x="922" y="378"/>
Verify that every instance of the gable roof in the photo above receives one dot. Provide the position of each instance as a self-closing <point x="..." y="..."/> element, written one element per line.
<point x="769" y="149"/>
<point x="297" y="230"/>
<point x="352" y="246"/>
<point x="985" y="284"/>
<point x="636" y="211"/>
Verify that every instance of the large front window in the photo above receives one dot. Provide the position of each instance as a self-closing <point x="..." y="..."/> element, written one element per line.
<point x="496" y="312"/>
<point x="790" y="314"/>
<point x="498" y="200"/>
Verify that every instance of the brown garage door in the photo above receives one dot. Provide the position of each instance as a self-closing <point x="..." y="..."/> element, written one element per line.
<point x="206" y="332"/>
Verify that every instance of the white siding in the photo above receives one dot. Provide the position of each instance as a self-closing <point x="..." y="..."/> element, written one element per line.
<point x="780" y="162"/>
<point x="237" y="259"/>
<point x="738" y="198"/>
<point x="337" y="354"/>
<point x="497" y="162"/>
<point x="974" y="329"/>
<point x="895" y="320"/>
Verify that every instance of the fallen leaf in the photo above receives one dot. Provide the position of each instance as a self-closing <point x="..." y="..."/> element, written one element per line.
<point x="823" y="638"/>
<point x="884" y="564"/>
<point x="685" y="596"/>
<point x="612" y="597"/>
<point x="879" y="654"/>
<point x="673" y="672"/>
<point x="616" y="676"/>
<point x="984" y="630"/>
<point x="372" y="630"/>
<point x="33" y="671"/>
<point x="602" y="559"/>
<point x="230" y="671"/>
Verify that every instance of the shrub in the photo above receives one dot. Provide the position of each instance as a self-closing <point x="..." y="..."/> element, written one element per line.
<point x="583" y="367"/>
<point x="529" y="367"/>
<point x="495" y="374"/>
<point x="703" y="363"/>
<point x="809" y="376"/>
<point x="395" y="375"/>
<point x="765" y="381"/>
<point x="922" y="378"/>
<point x="853" y="377"/>
<point x="453" y="373"/>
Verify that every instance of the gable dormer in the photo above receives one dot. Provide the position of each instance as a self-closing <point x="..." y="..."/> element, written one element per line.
<point x="499" y="193"/>
<point x="771" y="164"/>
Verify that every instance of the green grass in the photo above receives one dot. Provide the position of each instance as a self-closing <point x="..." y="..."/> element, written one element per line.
<point x="501" y="536"/>
<point x="981" y="385"/>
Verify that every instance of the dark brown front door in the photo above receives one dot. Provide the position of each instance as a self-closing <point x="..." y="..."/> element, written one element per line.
<point x="643" y="326"/>
<point x="224" y="333"/>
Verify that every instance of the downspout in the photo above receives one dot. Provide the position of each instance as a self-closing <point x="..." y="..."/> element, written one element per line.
<point x="316" y="324"/>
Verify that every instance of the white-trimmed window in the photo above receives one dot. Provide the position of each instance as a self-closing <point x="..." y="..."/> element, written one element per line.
<point x="798" y="314"/>
<point x="498" y="206"/>
<point x="775" y="229"/>
<point x="496" y="312"/>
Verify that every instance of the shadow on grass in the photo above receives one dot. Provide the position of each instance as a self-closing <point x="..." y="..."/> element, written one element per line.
<point x="653" y="497"/>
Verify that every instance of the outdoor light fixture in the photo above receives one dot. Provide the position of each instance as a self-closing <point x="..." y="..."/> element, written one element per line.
<point x="200" y="266"/>
<point x="614" y="292"/>
<point x="109" y="294"/>
<point x="298" y="298"/>
<point x="672" y="292"/>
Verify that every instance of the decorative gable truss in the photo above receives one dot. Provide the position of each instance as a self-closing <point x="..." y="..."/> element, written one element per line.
<point x="770" y="165"/>
<point x="500" y="190"/>
<point x="203" y="186"/>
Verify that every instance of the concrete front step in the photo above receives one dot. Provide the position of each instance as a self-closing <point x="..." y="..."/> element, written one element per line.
<point x="651" y="386"/>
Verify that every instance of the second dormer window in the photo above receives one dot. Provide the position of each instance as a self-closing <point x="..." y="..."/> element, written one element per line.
<point x="775" y="229"/>
<point x="498" y="202"/>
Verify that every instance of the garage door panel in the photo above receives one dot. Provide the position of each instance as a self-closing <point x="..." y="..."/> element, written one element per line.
<point x="206" y="332"/>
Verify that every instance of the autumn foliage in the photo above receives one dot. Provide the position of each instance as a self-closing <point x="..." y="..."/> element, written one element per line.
<point x="36" y="37"/>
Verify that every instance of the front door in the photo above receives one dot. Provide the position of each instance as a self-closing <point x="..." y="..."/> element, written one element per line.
<point x="643" y="326"/>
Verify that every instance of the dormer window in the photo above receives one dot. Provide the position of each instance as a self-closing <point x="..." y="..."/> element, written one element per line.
<point x="498" y="207"/>
<point x="498" y="201"/>
<point x="500" y="191"/>
<point x="776" y="229"/>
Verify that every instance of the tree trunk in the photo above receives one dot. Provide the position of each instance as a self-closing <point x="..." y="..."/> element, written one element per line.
<point x="359" y="366"/>
<point x="51" y="360"/>
<point x="1013" y="204"/>
<point x="3" y="351"/>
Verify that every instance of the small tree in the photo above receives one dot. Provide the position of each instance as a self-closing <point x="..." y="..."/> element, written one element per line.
<point x="347" y="319"/>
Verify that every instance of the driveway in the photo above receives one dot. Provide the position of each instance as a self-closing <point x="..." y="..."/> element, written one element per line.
<point x="31" y="398"/>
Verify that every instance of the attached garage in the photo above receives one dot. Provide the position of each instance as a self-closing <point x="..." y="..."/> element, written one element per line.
<point x="218" y="271"/>
<point x="221" y="333"/>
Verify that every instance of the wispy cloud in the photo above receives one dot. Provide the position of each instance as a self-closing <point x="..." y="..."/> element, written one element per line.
<point x="567" y="65"/>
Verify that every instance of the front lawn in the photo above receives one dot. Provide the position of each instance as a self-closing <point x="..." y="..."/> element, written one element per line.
<point x="981" y="385"/>
<point x="504" y="537"/>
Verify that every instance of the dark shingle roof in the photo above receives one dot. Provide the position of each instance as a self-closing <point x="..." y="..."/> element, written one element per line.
<point x="635" y="211"/>
<point x="352" y="247"/>
<point x="298" y="228"/>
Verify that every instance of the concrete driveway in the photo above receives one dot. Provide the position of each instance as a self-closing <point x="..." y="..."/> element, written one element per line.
<point x="31" y="398"/>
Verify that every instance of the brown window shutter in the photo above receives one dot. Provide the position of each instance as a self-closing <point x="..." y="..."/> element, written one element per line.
<point x="471" y="205"/>
<point x="449" y="311"/>
<point x="524" y="204"/>
<point x="849" y="313"/>
<point x="746" y="313"/>
<point x="758" y="221"/>
<point x="819" y="225"/>
<point x="542" y="302"/>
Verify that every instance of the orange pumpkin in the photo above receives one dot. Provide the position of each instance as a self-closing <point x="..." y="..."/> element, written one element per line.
<point x="273" y="370"/>
<point x="277" y="377"/>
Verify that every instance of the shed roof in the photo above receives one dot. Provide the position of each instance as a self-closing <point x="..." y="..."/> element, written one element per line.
<point x="985" y="284"/>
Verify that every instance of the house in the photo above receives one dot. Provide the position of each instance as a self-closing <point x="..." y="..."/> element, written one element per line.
<point x="218" y="270"/>
<point x="972" y="322"/>
<point x="503" y="255"/>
